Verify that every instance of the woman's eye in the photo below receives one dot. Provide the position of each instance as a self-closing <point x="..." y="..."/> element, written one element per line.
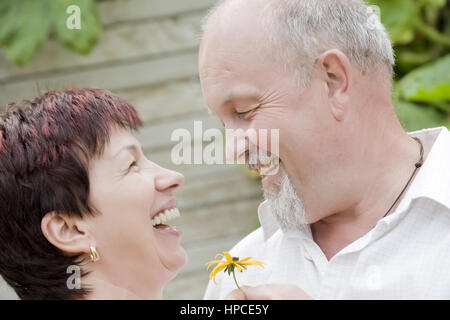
<point x="133" y="164"/>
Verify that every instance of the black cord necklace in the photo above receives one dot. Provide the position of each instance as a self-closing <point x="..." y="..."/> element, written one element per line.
<point x="418" y="165"/>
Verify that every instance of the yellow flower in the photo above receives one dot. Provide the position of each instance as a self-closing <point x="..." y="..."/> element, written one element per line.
<point x="229" y="265"/>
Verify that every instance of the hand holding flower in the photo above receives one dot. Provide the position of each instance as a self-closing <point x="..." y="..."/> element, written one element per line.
<point x="269" y="292"/>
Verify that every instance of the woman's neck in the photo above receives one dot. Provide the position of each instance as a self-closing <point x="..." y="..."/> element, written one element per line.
<point x="103" y="289"/>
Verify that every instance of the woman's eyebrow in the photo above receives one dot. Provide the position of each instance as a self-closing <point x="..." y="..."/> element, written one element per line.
<point x="130" y="147"/>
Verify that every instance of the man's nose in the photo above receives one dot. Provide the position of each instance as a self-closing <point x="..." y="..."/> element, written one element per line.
<point x="167" y="179"/>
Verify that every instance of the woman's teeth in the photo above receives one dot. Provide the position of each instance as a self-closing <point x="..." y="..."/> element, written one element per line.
<point x="166" y="215"/>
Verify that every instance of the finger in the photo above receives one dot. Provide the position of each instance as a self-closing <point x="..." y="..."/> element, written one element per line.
<point x="256" y="293"/>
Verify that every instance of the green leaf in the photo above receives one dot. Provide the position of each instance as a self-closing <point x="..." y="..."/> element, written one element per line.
<point x="250" y="173"/>
<point x="9" y="24"/>
<point x="427" y="83"/>
<point x="437" y="3"/>
<point x="25" y="35"/>
<point x="441" y="105"/>
<point x="414" y="117"/>
<point x="397" y="16"/>
<point x="81" y="40"/>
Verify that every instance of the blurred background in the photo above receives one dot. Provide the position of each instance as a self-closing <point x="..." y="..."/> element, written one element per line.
<point x="146" y="51"/>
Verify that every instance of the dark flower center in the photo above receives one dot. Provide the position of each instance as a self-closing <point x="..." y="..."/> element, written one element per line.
<point x="235" y="259"/>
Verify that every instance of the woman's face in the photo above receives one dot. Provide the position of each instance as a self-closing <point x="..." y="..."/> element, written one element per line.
<point x="129" y="190"/>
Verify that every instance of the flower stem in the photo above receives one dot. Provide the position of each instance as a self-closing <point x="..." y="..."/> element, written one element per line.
<point x="235" y="281"/>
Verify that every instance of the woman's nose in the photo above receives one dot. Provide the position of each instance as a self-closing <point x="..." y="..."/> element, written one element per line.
<point x="167" y="179"/>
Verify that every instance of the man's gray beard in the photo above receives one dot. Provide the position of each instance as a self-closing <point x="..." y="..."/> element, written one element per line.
<point x="285" y="204"/>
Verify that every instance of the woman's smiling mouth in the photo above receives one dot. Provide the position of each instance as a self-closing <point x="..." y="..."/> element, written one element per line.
<point x="160" y="219"/>
<point x="164" y="216"/>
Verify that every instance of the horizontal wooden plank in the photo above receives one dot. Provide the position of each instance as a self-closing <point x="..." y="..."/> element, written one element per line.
<point x="201" y="252"/>
<point x="114" y="77"/>
<point x="123" y="11"/>
<point x="226" y="219"/>
<point x="120" y="43"/>
<point x="187" y="287"/>
<point x="217" y="188"/>
<point x="157" y="136"/>
<point x="191" y="172"/>
<point x="162" y="103"/>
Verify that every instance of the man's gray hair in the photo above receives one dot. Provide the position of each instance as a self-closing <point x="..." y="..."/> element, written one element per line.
<point x="299" y="31"/>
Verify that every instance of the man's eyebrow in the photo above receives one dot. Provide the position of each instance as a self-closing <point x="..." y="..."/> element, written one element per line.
<point x="130" y="147"/>
<point x="237" y="95"/>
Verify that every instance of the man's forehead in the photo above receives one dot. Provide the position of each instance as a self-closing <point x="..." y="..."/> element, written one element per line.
<point x="226" y="10"/>
<point x="235" y="21"/>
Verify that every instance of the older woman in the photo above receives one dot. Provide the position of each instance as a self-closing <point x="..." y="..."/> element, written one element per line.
<point x="79" y="197"/>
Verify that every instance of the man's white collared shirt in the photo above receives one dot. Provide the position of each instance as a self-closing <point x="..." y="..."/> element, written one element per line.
<point x="405" y="256"/>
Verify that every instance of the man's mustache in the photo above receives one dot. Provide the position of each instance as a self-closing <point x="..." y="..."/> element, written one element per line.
<point x="262" y="161"/>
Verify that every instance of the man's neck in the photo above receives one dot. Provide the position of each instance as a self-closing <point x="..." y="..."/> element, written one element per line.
<point x="389" y="168"/>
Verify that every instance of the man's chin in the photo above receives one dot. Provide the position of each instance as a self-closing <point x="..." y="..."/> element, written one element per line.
<point x="285" y="204"/>
<point x="271" y="182"/>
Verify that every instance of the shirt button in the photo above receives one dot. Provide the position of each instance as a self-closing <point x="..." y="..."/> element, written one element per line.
<point x="307" y="256"/>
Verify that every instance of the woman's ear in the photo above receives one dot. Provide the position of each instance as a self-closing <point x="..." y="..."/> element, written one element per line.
<point x="337" y="71"/>
<point x="69" y="234"/>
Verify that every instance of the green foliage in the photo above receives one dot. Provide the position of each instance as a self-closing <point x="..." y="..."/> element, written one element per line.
<point x="250" y="173"/>
<point x="427" y="83"/>
<point x="26" y="30"/>
<point x="417" y="117"/>
<point x="26" y="24"/>
<point x="420" y="32"/>
<point x="398" y="16"/>
<point x="79" y="40"/>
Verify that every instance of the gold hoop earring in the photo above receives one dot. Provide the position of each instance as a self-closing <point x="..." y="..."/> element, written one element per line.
<point x="94" y="254"/>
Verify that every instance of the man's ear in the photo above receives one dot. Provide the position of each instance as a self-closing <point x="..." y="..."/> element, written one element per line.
<point x="69" y="234"/>
<point x="337" y="71"/>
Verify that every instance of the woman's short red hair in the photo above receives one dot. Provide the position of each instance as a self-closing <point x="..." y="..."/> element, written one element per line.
<point x="45" y="147"/>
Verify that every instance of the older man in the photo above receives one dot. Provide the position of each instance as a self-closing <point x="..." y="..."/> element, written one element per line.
<point x="359" y="208"/>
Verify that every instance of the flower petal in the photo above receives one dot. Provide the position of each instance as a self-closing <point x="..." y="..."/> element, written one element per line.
<point x="243" y="266"/>
<point x="254" y="263"/>
<point x="245" y="259"/>
<point x="216" y="270"/>
<point x="228" y="257"/>
<point x="208" y="264"/>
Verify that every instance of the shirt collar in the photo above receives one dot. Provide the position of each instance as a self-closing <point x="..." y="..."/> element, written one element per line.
<point x="433" y="178"/>
<point x="432" y="181"/>
<point x="268" y="222"/>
